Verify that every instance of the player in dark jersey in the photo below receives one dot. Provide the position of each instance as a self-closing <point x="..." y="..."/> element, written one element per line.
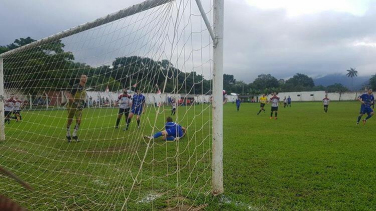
<point x="172" y="132"/>
<point x="125" y="104"/>
<point x="138" y="108"/>
<point x="367" y="100"/>
<point x="75" y="105"/>
<point x="237" y="104"/>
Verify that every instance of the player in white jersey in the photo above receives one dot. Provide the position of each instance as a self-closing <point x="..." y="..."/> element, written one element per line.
<point x="173" y="110"/>
<point x="275" y="102"/>
<point x="8" y="109"/>
<point x="325" y="102"/>
<point x="17" y="109"/>
<point x="125" y="104"/>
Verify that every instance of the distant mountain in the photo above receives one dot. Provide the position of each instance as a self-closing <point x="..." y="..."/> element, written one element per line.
<point x="327" y="80"/>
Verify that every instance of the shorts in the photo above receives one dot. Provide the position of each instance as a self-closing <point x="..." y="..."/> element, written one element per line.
<point x="124" y="111"/>
<point x="137" y="111"/>
<point x="17" y="111"/>
<point x="366" y="110"/>
<point x="7" y="113"/>
<point x="326" y="106"/>
<point x="262" y="105"/>
<point x="74" y="112"/>
<point x="173" y="133"/>
<point x="274" y="108"/>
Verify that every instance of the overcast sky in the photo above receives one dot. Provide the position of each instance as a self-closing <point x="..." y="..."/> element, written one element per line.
<point x="282" y="38"/>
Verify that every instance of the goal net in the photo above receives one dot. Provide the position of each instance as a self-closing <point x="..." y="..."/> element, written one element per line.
<point x="63" y="97"/>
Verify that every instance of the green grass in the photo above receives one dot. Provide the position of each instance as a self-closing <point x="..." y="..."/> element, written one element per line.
<point x="305" y="160"/>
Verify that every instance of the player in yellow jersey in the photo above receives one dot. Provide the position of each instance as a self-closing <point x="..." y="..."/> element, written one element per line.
<point x="263" y="100"/>
<point x="75" y="105"/>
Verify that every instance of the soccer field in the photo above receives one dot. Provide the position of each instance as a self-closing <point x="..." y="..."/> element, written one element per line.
<point x="305" y="160"/>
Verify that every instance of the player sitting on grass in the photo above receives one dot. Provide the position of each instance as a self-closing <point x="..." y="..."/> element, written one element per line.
<point x="367" y="100"/>
<point x="173" y="131"/>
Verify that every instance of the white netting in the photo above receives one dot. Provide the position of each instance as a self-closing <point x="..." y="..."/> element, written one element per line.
<point x="166" y="53"/>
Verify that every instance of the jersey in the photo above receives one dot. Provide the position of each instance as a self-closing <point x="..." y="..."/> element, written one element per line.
<point x="78" y="93"/>
<point x="124" y="101"/>
<point x="9" y="105"/>
<point x="173" y="105"/>
<point x="174" y="129"/>
<point x="367" y="99"/>
<point x="275" y="101"/>
<point x="285" y="100"/>
<point x="289" y="100"/>
<point x="17" y="105"/>
<point x="138" y="102"/>
<point x="263" y="100"/>
<point x="325" y="101"/>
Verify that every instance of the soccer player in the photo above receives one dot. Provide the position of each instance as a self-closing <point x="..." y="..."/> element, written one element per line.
<point x="367" y="100"/>
<point x="263" y="100"/>
<point x="17" y="109"/>
<point x="75" y="105"/>
<point x="125" y="104"/>
<point x="224" y="97"/>
<point x="275" y="102"/>
<point x="289" y="101"/>
<point x="173" y="110"/>
<point x="237" y="104"/>
<point x="173" y="131"/>
<point x="284" y="102"/>
<point x="325" y="102"/>
<point x="8" y="109"/>
<point x="138" y="105"/>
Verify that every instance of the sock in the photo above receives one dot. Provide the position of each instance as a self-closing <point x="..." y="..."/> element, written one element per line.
<point x="369" y="116"/>
<point x="128" y="122"/>
<point x="68" y="131"/>
<point x="76" y="130"/>
<point x="117" y="122"/>
<point x="20" y="117"/>
<point x="159" y="134"/>
<point x="275" y="114"/>
<point x="138" y="123"/>
<point x="259" y="112"/>
<point x="359" y="117"/>
<point x="271" y="114"/>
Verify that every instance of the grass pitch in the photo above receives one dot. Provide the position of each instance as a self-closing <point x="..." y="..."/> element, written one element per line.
<point x="305" y="160"/>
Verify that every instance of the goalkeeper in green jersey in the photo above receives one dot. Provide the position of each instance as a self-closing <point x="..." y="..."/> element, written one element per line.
<point x="75" y="105"/>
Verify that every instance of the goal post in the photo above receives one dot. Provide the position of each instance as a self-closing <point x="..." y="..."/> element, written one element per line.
<point x="165" y="49"/>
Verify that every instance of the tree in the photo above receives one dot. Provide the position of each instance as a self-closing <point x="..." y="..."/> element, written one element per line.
<point x="372" y="82"/>
<point x="264" y="83"/>
<point x="299" y="82"/>
<point x="351" y="74"/>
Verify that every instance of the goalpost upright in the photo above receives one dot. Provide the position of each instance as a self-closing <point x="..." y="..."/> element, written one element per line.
<point x="2" y="99"/>
<point x="217" y="103"/>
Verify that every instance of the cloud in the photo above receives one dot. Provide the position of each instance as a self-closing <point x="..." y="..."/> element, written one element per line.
<point x="257" y="40"/>
<point x="270" y="41"/>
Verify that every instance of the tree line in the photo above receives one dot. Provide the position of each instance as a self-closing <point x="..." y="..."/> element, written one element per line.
<point x="50" y="67"/>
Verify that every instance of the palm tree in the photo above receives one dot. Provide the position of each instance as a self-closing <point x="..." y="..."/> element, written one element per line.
<point x="351" y="74"/>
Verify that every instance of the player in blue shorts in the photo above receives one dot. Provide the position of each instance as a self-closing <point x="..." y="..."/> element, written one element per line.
<point x="138" y="108"/>
<point x="367" y="100"/>
<point x="172" y="132"/>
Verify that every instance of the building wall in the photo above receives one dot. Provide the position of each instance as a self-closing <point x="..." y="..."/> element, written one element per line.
<point x="318" y="96"/>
